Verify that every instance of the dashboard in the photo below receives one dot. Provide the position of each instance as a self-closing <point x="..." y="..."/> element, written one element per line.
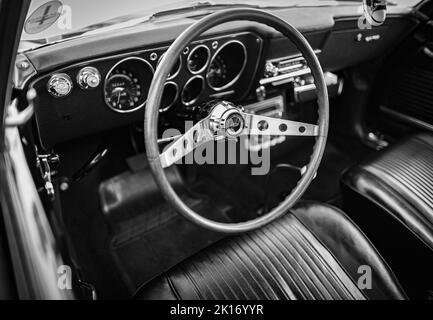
<point x="115" y="88"/>
<point x="92" y="85"/>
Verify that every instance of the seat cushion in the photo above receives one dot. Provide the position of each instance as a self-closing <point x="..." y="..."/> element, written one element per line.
<point x="314" y="252"/>
<point x="400" y="182"/>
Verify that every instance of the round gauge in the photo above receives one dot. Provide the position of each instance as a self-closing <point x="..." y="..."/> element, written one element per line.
<point x="192" y="90"/>
<point x="198" y="59"/>
<point x="227" y="65"/>
<point x="124" y="92"/>
<point x="127" y="85"/>
<point x="169" y="97"/>
<point x="217" y="75"/>
<point x="176" y="68"/>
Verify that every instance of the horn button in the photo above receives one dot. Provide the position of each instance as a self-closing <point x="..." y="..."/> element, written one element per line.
<point x="227" y="121"/>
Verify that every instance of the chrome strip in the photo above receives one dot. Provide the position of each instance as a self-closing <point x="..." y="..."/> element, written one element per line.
<point x="305" y="88"/>
<point x="222" y="94"/>
<point x="285" y="76"/>
<point x="235" y="79"/>
<point x="109" y="75"/>
<point x="294" y="57"/>
<point x="406" y="118"/>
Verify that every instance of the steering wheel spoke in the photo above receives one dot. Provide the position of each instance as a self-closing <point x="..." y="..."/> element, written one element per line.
<point x="187" y="143"/>
<point x="261" y="125"/>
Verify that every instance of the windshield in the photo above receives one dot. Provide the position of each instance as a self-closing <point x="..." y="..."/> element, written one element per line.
<point x="56" y="20"/>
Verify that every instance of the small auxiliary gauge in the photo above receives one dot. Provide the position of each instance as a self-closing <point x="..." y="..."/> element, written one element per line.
<point x="60" y="85"/>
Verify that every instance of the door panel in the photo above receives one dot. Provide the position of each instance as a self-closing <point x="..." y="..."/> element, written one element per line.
<point x="410" y="91"/>
<point x="403" y="99"/>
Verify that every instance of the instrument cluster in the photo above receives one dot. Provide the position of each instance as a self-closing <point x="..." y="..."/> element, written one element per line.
<point x="215" y="65"/>
<point x="109" y="92"/>
<point x="206" y="67"/>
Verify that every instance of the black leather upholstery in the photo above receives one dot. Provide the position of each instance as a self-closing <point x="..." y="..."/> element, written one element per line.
<point x="390" y="196"/>
<point x="314" y="252"/>
<point x="400" y="182"/>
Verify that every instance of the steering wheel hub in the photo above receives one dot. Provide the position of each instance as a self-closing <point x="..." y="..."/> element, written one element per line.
<point x="226" y="121"/>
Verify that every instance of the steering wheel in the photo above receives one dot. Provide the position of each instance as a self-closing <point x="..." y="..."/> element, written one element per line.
<point x="226" y="121"/>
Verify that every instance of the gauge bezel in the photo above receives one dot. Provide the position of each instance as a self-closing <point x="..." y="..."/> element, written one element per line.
<point x="175" y="98"/>
<point x="208" y="59"/>
<point x="109" y="74"/>
<point x="235" y="79"/>
<point x="57" y="77"/>
<point x="172" y="76"/>
<point x="189" y="103"/>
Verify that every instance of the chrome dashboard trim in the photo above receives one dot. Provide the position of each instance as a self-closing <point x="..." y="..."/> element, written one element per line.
<point x="220" y="95"/>
<point x="285" y="77"/>
<point x="294" y="57"/>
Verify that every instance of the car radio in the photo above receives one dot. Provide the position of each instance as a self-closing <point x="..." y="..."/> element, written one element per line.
<point x="294" y="70"/>
<point x="283" y="70"/>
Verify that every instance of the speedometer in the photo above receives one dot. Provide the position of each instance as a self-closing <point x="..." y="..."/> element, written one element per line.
<point x="127" y="85"/>
<point x="124" y="92"/>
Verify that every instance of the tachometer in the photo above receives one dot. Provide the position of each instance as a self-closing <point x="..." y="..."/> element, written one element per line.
<point x="227" y="65"/>
<point x="127" y="85"/>
<point x="217" y="75"/>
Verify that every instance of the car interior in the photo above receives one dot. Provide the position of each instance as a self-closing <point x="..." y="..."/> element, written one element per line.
<point x="340" y="105"/>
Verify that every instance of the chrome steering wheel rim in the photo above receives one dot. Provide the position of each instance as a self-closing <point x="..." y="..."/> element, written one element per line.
<point x="155" y="97"/>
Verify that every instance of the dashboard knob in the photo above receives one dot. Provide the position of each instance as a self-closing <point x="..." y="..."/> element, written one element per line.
<point x="89" y="78"/>
<point x="60" y="85"/>
<point x="271" y="70"/>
